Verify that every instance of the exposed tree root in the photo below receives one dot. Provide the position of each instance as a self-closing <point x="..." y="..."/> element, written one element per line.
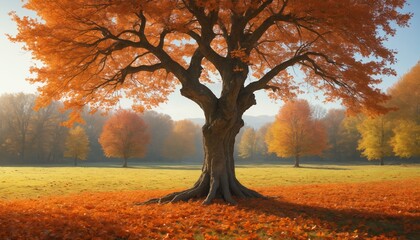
<point x="218" y="179"/>
<point x="219" y="188"/>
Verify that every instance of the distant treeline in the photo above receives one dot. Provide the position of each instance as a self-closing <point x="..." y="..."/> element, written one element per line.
<point x="391" y="137"/>
<point x="31" y="137"/>
<point x="38" y="137"/>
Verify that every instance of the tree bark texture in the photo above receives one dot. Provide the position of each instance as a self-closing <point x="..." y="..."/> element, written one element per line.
<point x="218" y="178"/>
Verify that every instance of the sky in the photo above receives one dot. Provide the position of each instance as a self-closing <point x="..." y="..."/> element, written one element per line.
<point x="15" y="64"/>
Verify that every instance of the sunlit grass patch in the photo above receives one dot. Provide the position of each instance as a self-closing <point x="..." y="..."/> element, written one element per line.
<point x="33" y="182"/>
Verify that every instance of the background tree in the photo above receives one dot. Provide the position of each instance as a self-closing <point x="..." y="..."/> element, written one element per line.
<point x="143" y="49"/>
<point x="260" y="140"/>
<point x="19" y="109"/>
<point x="43" y="139"/>
<point x="333" y="123"/>
<point x="59" y="134"/>
<point x="295" y="133"/>
<point x="405" y="96"/>
<point x="406" y="120"/>
<point x="180" y="144"/>
<point x="77" y="144"/>
<point x="5" y="130"/>
<point x="36" y="134"/>
<point x="350" y="135"/>
<point x="375" y="135"/>
<point x="247" y="147"/>
<point x="125" y="136"/>
<point x="94" y="124"/>
<point x="160" y="127"/>
<point x="406" y="140"/>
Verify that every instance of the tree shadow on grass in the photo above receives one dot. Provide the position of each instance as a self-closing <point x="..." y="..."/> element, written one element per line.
<point x="339" y="220"/>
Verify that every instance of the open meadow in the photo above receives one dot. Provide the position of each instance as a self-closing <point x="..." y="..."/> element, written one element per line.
<point x="34" y="182"/>
<point x="312" y="202"/>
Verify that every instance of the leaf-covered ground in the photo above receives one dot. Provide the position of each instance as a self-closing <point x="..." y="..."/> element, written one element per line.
<point x="376" y="210"/>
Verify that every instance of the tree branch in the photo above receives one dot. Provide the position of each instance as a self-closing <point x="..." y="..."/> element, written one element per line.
<point x="270" y="21"/>
<point x="204" y="40"/>
<point x="208" y="52"/>
<point x="121" y="75"/>
<point x="262" y="82"/>
<point x="249" y="15"/>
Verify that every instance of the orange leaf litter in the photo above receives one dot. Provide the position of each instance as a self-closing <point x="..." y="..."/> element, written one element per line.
<point x="379" y="210"/>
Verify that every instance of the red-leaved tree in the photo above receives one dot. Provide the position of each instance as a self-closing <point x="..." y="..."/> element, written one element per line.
<point x="295" y="133"/>
<point x="124" y="136"/>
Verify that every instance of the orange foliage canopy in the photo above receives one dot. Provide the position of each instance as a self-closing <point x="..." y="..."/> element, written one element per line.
<point x="124" y="135"/>
<point x="143" y="49"/>
<point x="405" y="96"/>
<point x="295" y="133"/>
<point x="387" y="210"/>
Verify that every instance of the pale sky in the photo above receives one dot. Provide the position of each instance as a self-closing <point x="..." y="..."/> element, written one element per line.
<point x="15" y="63"/>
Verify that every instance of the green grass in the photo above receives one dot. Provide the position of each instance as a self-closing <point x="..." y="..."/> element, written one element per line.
<point x="33" y="182"/>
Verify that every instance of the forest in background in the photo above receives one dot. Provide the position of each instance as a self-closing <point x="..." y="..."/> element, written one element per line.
<point x="37" y="137"/>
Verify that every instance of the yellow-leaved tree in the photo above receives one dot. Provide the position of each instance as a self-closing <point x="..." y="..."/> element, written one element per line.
<point x="247" y="147"/>
<point x="77" y="144"/>
<point x="406" y="120"/>
<point x="406" y="140"/>
<point x="295" y="133"/>
<point x="374" y="140"/>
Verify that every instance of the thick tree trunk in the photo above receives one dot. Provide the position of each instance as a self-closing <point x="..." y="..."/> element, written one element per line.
<point x="223" y="121"/>
<point x="125" y="162"/>
<point x="382" y="161"/>
<point x="218" y="179"/>
<point x="75" y="161"/>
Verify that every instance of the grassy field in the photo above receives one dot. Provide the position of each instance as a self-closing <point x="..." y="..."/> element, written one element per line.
<point x="312" y="202"/>
<point x="34" y="182"/>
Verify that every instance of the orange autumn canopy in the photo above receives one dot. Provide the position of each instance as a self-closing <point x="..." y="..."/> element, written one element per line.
<point x="95" y="51"/>
<point x="295" y="133"/>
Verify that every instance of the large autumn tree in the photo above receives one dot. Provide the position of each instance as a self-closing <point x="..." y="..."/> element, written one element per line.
<point x="296" y="132"/>
<point x="124" y="135"/>
<point x="95" y="51"/>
